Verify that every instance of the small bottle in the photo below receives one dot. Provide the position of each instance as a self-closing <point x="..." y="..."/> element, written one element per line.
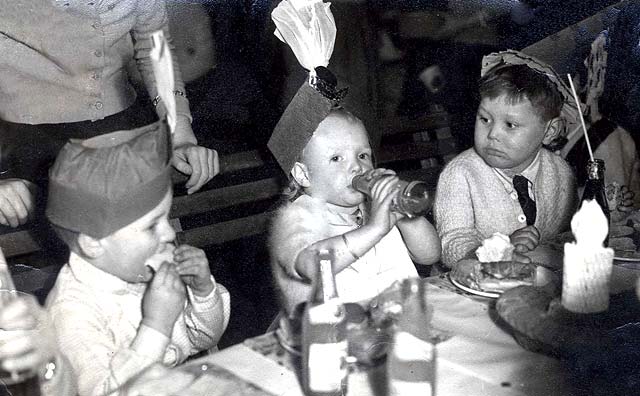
<point x="324" y="335"/>
<point x="411" y="364"/>
<point x="594" y="188"/>
<point x="413" y="197"/>
<point x="17" y="383"/>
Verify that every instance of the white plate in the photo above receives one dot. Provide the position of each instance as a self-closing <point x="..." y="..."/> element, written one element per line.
<point x="543" y="277"/>
<point x="619" y="256"/>
<point x="468" y="289"/>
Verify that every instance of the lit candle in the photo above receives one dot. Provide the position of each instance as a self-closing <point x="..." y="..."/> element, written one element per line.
<point x="587" y="263"/>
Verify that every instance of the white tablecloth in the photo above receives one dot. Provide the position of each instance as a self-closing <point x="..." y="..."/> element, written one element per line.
<point x="480" y="358"/>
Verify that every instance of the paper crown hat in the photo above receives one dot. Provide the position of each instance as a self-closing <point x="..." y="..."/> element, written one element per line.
<point x="569" y="113"/>
<point x="309" y="29"/>
<point x="99" y="185"/>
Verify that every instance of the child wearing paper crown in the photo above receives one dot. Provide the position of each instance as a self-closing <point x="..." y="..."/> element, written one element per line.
<point x="508" y="182"/>
<point x="321" y="147"/>
<point x="126" y="299"/>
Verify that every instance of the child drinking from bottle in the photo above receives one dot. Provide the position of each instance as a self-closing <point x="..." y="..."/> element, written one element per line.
<point x="373" y="246"/>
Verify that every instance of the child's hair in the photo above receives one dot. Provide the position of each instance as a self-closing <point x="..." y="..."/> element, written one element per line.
<point x="293" y="190"/>
<point x="520" y="82"/>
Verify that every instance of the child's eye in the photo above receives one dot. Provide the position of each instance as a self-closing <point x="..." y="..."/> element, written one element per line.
<point x="511" y="125"/>
<point x="336" y="158"/>
<point x="364" y="156"/>
<point x="484" y="120"/>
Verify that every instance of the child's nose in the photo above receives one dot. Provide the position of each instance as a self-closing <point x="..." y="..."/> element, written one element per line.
<point x="167" y="233"/>
<point x="494" y="132"/>
<point x="356" y="167"/>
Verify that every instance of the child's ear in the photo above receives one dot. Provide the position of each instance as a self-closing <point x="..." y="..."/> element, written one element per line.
<point x="90" y="246"/>
<point x="300" y="174"/>
<point x="554" y="127"/>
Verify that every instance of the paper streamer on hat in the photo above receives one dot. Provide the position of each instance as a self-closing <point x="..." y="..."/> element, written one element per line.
<point x="587" y="264"/>
<point x="163" y="72"/>
<point x="308" y="28"/>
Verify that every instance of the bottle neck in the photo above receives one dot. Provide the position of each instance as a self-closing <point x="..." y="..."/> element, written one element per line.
<point x="595" y="170"/>
<point x="6" y="282"/>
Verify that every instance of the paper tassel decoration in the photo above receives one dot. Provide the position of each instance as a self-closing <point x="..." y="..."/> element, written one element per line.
<point x="308" y="28"/>
<point x="163" y="72"/>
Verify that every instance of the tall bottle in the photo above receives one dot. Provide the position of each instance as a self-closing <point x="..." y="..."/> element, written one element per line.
<point x="594" y="188"/>
<point x="324" y="336"/>
<point x="413" y="198"/>
<point x="411" y="363"/>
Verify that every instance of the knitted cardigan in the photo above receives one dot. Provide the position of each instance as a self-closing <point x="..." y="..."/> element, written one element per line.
<point x="472" y="203"/>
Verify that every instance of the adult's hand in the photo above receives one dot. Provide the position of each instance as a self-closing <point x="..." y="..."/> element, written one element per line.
<point x="201" y="163"/>
<point x="16" y="201"/>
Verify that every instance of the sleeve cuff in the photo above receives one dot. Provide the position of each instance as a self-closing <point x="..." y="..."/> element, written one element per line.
<point x="150" y="342"/>
<point x="210" y="299"/>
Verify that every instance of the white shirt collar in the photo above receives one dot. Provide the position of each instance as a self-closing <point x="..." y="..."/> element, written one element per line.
<point x="531" y="173"/>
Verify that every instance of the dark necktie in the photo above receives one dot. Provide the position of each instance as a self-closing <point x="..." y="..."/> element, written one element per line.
<point x="528" y="205"/>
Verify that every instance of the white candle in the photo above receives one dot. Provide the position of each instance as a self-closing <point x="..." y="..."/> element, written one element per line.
<point x="587" y="263"/>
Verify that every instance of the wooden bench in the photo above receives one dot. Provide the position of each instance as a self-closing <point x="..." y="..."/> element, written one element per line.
<point x="238" y="202"/>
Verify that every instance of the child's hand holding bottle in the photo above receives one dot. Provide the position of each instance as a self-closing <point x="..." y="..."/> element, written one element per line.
<point x="383" y="192"/>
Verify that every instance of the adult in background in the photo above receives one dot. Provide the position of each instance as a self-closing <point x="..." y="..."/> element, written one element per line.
<point x="63" y="74"/>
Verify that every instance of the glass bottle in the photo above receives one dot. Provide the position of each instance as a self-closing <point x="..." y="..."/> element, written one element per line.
<point x="413" y="199"/>
<point x="594" y="188"/>
<point x="324" y="336"/>
<point x="411" y="364"/>
<point x="17" y="383"/>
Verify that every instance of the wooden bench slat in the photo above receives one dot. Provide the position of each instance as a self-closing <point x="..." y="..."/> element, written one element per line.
<point x="417" y="150"/>
<point x="219" y="233"/>
<point x="224" y="197"/>
<point x="17" y="243"/>
<point x="405" y="125"/>
<point x="240" y="161"/>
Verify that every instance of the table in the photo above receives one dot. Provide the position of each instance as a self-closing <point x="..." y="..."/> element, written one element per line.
<point x="480" y="358"/>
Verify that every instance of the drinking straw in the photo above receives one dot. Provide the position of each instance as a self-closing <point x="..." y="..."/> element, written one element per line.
<point x="584" y="127"/>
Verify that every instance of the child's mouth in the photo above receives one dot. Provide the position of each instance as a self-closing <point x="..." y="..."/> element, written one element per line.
<point x="493" y="152"/>
<point x="164" y="253"/>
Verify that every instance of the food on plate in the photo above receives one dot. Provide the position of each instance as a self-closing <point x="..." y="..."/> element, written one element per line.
<point x="496" y="248"/>
<point x="622" y="243"/>
<point x="504" y="275"/>
<point x="494" y="277"/>
<point x="620" y="231"/>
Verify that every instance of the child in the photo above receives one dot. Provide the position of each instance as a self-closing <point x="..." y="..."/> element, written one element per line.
<point x="325" y="212"/>
<point x="120" y="304"/>
<point x="508" y="182"/>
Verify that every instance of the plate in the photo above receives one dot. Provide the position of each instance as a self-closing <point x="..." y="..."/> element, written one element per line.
<point x="543" y="277"/>
<point x="470" y="290"/>
<point x="623" y="255"/>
